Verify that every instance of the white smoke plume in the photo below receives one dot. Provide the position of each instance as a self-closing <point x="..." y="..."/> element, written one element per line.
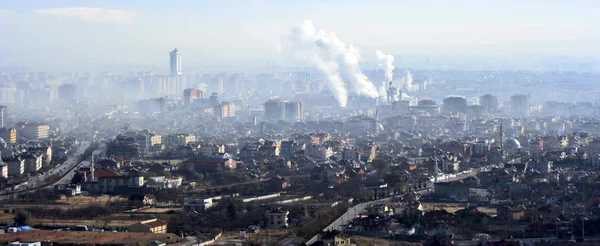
<point x="338" y="60"/>
<point x="385" y="62"/>
<point x="383" y="91"/>
<point x="408" y="81"/>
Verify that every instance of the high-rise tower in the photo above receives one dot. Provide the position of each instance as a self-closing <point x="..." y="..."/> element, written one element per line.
<point x="175" y="63"/>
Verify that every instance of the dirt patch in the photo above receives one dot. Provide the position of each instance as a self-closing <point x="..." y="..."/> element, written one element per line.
<point x="453" y="207"/>
<point x="91" y="200"/>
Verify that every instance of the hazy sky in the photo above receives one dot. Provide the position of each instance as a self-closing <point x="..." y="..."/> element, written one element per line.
<point x="232" y="34"/>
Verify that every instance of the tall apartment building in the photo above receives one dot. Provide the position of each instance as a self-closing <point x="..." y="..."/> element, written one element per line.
<point x="519" y="105"/>
<point x="283" y="110"/>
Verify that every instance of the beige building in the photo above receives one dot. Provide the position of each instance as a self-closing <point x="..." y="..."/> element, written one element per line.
<point x="149" y="226"/>
<point x="277" y="218"/>
<point x="175" y="140"/>
<point x="8" y="134"/>
<point x="34" y="130"/>
<point x="33" y="163"/>
<point x="211" y="149"/>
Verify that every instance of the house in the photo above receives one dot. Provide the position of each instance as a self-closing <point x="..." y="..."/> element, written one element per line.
<point x="456" y="191"/>
<point x="278" y="183"/>
<point x="439" y="222"/>
<point x="211" y="149"/>
<point x="142" y="200"/>
<point x="334" y="238"/>
<point x="196" y="205"/>
<point x="110" y="184"/>
<point x="149" y="226"/>
<point x="277" y="218"/>
<point x="511" y="213"/>
<point x="210" y="164"/>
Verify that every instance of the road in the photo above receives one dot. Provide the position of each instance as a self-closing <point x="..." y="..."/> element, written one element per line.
<point x="339" y="223"/>
<point x="352" y="212"/>
<point x="39" y="181"/>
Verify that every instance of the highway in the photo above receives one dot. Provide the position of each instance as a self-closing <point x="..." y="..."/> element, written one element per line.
<point x="39" y="181"/>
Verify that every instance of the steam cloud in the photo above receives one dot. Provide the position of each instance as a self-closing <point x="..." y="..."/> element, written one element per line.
<point x="409" y="81"/>
<point x="338" y="60"/>
<point x="385" y="62"/>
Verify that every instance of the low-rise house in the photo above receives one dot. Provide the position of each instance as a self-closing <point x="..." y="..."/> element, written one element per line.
<point x="142" y="200"/>
<point x="162" y="182"/>
<point x="334" y="238"/>
<point x="456" y="191"/>
<point x="111" y="184"/>
<point x="197" y="204"/>
<point x="210" y="164"/>
<point x="149" y="226"/>
<point x="511" y="213"/>
<point x="277" y="218"/>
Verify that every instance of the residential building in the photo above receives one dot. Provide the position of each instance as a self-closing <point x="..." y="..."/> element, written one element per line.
<point x="335" y="238"/>
<point x="197" y="205"/>
<point x="294" y="111"/>
<point x="277" y="218"/>
<point x="33" y="130"/>
<point x="209" y="164"/>
<point x="489" y="103"/>
<point x="190" y="94"/>
<point x="9" y="134"/>
<point x="149" y="226"/>
<point x="519" y="105"/>
<point x="3" y="117"/>
<point x="318" y="152"/>
<point x="33" y="162"/>
<point x="455" y="104"/>
<point x="110" y="184"/>
<point x="211" y="149"/>
<point x="3" y="170"/>
<point x="16" y="166"/>
<point x="175" y="140"/>
<point x="224" y="110"/>
<point x="124" y="147"/>
<point x="455" y="191"/>
<point x="275" y="110"/>
<point x="350" y="155"/>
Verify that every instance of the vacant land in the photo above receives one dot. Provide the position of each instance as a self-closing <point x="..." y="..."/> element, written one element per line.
<point x="453" y="207"/>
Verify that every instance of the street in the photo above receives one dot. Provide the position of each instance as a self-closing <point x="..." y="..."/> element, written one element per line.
<point x="39" y="180"/>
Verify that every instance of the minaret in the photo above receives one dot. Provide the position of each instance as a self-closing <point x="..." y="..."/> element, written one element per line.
<point x="435" y="178"/>
<point x="501" y="138"/>
<point x="92" y="169"/>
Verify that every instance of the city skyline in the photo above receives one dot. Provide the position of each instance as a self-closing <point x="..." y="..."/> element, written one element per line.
<point x="240" y="35"/>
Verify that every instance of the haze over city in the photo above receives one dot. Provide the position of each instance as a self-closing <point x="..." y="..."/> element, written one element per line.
<point x="261" y="122"/>
<point x="241" y="35"/>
